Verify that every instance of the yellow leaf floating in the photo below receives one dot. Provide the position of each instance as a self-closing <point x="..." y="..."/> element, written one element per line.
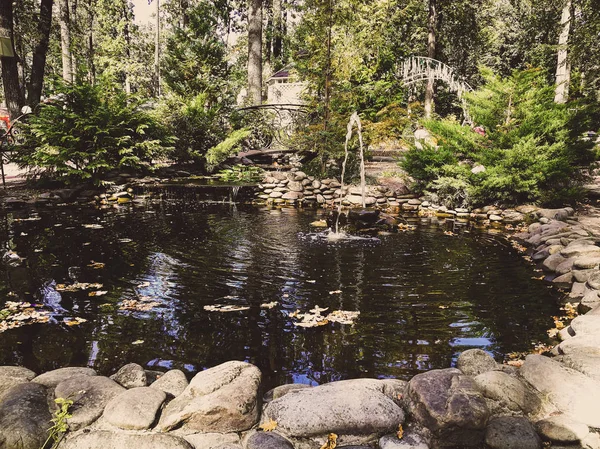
<point x="268" y="426"/>
<point x="96" y="265"/>
<point x="400" y="432"/>
<point x="331" y="442"/>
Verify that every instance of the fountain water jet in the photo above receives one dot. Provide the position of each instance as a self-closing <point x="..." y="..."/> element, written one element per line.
<point x="354" y="120"/>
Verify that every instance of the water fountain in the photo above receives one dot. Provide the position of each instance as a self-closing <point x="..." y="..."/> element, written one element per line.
<point x="354" y="120"/>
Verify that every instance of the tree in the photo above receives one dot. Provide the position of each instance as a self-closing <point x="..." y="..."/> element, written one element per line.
<point x="38" y="65"/>
<point x="432" y="24"/>
<point x="13" y="94"/>
<point x="255" y="18"/>
<point x="563" y="67"/>
<point x="65" y="41"/>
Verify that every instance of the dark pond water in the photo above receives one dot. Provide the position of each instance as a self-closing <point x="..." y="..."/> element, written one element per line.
<point x="423" y="296"/>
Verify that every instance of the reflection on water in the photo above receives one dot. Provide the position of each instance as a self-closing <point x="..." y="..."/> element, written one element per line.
<point x="423" y="296"/>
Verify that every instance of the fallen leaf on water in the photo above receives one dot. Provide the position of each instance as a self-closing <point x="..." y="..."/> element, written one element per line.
<point x="331" y="442"/>
<point x="225" y="308"/>
<point x="335" y="292"/>
<point x="137" y="342"/>
<point x="295" y="313"/>
<point x="343" y="316"/>
<point x="269" y="426"/>
<point x="98" y="293"/>
<point x="137" y="305"/>
<point x="318" y="309"/>
<point x="442" y="307"/>
<point x="311" y="281"/>
<point x="400" y="432"/>
<point x="96" y="265"/>
<point x="268" y="305"/>
<point x="92" y="226"/>
<point x="144" y="285"/>
<point x="125" y="240"/>
<point x="77" y="286"/>
<point x="74" y="321"/>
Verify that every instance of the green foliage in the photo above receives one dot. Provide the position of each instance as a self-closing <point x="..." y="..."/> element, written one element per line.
<point x="532" y="151"/>
<point x="197" y="124"/>
<point x="59" y="420"/>
<point x="241" y="173"/>
<point x="87" y="130"/>
<point x="231" y="145"/>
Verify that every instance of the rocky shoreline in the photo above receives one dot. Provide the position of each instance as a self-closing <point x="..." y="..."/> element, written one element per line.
<point x="550" y="400"/>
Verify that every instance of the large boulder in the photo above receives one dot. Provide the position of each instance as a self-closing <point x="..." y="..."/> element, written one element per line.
<point x="410" y="440"/>
<point x="213" y="440"/>
<point x="172" y="382"/>
<point x="449" y="405"/>
<point x="511" y="432"/>
<point x="356" y="410"/>
<point x="131" y="375"/>
<point x="507" y="394"/>
<point x="13" y="375"/>
<point x="90" y="394"/>
<point x="573" y="393"/>
<point x="52" y="378"/>
<point x="219" y="399"/>
<point x="24" y="417"/>
<point x="103" y="439"/>
<point x="475" y="361"/>
<point x="267" y="440"/>
<point x="135" y="409"/>
<point x="562" y="429"/>
<point x="584" y="362"/>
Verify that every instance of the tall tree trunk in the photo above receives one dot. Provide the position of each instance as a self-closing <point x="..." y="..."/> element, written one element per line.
<point x="157" y="50"/>
<point x="328" y="66"/>
<point x="255" y="51"/>
<point x="90" y="44"/>
<point x="65" y="41"/>
<point x="13" y="94"/>
<point x="429" y="89"/>
<point x="268" y="6"/>
<point x="277" y="34"/>
<point x="127" y="36"/>
<point x="39" y="54"/>
<point x="563" y="67"/>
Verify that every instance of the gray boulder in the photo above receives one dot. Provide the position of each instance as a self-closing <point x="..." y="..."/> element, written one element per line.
<point x="13" y="375"/>
<point x="475" y="361"/>
<point x="219" y="399"/>
<point x="52" y="378"/>
<point x="103" y="439"/>
<point x="268" y="440"/>
<point x="584" y="362"/>
<point x="589" y="344"/>
<point x="553" y="262"/>
<point x="90" y="394"/>
<point x="213" y="440"/>
<point x="511" y="432"/>
<point x="135" y="409"/>
<point x="586" y="325"/>
<point x="507" y="393"/>
<point x="410" y="440"/>
<point x="131" y="375"/>
<point x="172" y="382"/>
<point x="282" y="390"/>
<point x="355" y="410"/>
<point x="449" y="405"/>
<point x="24" y="417"/>
<point x="573" y="393"/>
<point x="561" y="429"/>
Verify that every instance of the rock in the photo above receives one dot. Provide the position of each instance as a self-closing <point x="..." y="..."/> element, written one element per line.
<point x="511" y="432"/>
<point x="292" y="196"/>
<point x="213" y="440"/>
<point x="587" y="343"/>
<point x="24" y="417"/>
<point x="554" y="214"/>
<point x="295" y="186"/>
<point x="561" y="429"/>
<point x="275" y="195"/>
<point x="103" y="439"/>
<point x="564" y="280"/>
<point x="90" y="394"/>
<point x="172" y="382"/>
<point x="410" y="440"/>
<point x="581" y="250"/>
<point x="586" y="325"/>
<point x="478" y="169"/>
<point x="507" y="392"/>
<point x="131" y="375"/>
<point x="321" y="199"/>
<point x="135" y="409"/>
<point x="267" y="440"/>
<point x="582" y="275"/>
<point x="584" y="362"/>
<point x="52" y="378"/>
<point x="586" y="262"/>
<point x="565" y="266"/>
<point x="512" y="216"/>
<point x="593" y="280"/>
<point x="494" y="217"/>
<point x="357" y="407"/>
<point x="552" y="262"/>
<point x="13" y="375"/>
<point x="448" y="404"/>
<point x="282" y="390"/>
<point x="299" y="176"/>
<point x="578" y="290"/>
<point x="219" y="399"/>
<point x="475" y="361"/>
<point x="573" y="393"/>
<point x="541" y="255"/>
<point x="590" y="301"/>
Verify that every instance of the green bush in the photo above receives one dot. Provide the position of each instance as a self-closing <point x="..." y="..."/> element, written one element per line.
<point x="85" y="130"/>
<point x="532" y="150"/>
<point x="227" y="148"/>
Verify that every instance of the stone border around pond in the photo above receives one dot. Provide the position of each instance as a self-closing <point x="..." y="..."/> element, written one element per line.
<point x="545" y="402"/>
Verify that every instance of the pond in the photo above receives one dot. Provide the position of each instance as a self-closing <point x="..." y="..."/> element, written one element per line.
<point x="423" y="295"/>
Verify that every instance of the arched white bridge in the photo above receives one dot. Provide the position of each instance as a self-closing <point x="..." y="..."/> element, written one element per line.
<point x="420" y="68"/>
